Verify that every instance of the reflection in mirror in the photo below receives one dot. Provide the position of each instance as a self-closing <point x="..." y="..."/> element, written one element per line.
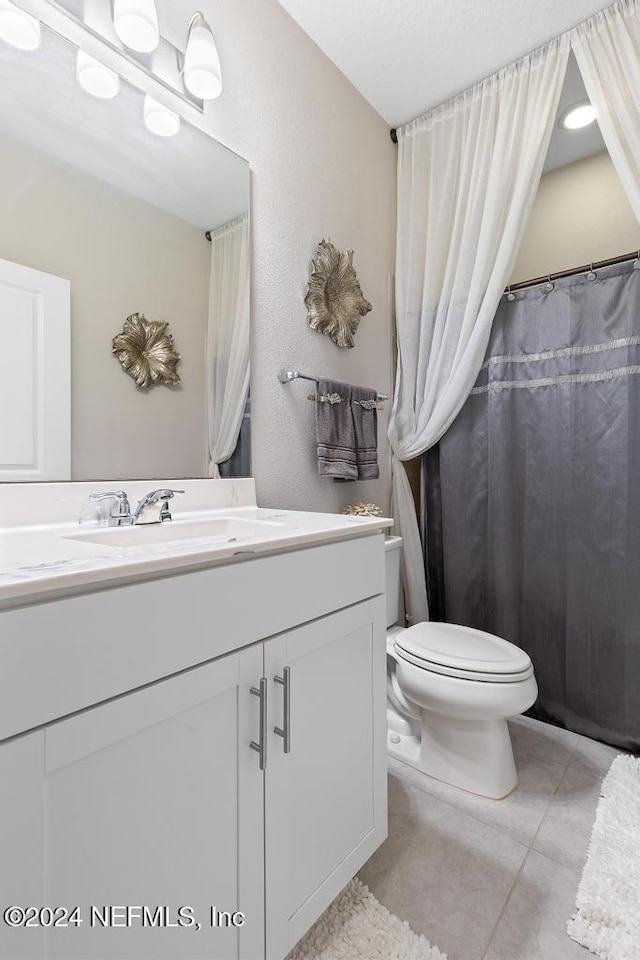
<point x="97" y="209"/>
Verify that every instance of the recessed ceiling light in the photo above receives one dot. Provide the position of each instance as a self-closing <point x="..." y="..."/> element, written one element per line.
<point x="18" y="28"/>
<point x="578" y="115"/>
<point x="95" y="78"/>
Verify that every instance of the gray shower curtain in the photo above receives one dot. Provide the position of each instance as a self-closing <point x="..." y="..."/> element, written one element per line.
<point x="532" y="499"/>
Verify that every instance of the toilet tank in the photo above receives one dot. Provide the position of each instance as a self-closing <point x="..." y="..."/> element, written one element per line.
<point x="392" y="547"/>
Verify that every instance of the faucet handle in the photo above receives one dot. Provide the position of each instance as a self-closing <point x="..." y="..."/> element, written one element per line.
<point x="119" y="509"/>
<point x="118" y="495"/>
<point x="164" y="494"/>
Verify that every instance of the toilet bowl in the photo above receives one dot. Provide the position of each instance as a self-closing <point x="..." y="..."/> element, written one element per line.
<point x="450" y="690"/>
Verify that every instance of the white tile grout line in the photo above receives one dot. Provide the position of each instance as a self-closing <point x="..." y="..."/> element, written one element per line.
<point x="505" y="904"/>
<point x="530" y="848"/>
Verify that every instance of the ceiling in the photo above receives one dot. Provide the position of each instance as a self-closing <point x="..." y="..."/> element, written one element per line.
<point x="410" y="55"/>
<point x="567" y="146"/>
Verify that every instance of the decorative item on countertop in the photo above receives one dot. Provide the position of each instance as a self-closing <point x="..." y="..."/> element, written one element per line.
<point x="334" y="299"/>
<point x="145" y="350"/>
<point x="362" y="509"/>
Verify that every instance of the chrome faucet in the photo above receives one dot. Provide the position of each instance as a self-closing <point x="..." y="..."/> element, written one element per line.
<point x="119" y="511"/>
<point x="154" y="507"/>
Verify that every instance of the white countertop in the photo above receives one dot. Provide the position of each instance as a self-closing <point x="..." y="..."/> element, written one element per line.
<point x="44" y="560"/>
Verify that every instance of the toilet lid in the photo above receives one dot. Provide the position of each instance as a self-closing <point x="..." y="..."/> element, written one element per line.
<point x="463" y="652"/>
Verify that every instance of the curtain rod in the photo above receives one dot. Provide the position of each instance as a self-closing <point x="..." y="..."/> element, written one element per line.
<point x="585" y="268"/>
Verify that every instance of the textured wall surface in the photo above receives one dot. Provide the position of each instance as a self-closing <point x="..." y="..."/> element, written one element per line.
<point x="322" y="165"/>
<point x="581" y="214"/>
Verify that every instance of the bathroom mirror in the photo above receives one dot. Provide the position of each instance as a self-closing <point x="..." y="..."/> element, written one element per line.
<point x="90" y="195"/>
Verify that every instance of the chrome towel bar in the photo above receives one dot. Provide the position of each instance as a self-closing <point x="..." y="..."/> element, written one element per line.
<point x="286" y="376"/>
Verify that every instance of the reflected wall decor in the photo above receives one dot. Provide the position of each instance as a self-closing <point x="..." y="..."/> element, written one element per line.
<point x="146" y="352"/>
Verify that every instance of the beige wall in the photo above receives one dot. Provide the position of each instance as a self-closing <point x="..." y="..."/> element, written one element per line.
<point x="581" y="214"/>
<point x="122" y="256"/>
<point x="322" y="165"/>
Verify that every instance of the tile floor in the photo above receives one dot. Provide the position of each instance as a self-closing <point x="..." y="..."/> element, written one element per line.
<point x="494" y="879"/>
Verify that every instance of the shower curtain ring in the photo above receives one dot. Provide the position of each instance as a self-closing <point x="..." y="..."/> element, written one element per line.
<point x="592" y="275"/>
<point x="510" y="294"/>
<point x="549" y="285"/>
<point x="636" y="265"/>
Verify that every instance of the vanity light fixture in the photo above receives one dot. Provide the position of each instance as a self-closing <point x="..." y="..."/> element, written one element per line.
<point x="136" y="24"/>
<point x="159" y="119"/>
<point x="189" y="67"/>
<point x="195" y="75"/>
<point x="201" y="70"/>
<point x="578" y="115"/>
<point x="18" y="28"/>
<point x="95" y="78"/>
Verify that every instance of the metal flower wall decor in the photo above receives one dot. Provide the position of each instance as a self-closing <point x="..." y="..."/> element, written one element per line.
<point x="145" y="350"/>
<point x="334" y="299"/>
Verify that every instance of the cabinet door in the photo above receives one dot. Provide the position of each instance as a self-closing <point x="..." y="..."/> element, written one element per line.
<point x="153" y="800"/>
<point x="325" y="800"/>
<point x="21" y="840"/>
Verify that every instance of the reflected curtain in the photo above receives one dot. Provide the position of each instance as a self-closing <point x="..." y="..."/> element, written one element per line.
<point x="228" y="338"/>
<point x="467" y="176"/>
<point x="533" y="496"/>
<point x="239" y="463"/>
<point x="607" y="48"/>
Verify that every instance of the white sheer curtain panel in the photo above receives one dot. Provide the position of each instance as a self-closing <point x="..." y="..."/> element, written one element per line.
<point x="607" y="48"/>
<point x="468" y="172"/>
<point x="227" y="338"/>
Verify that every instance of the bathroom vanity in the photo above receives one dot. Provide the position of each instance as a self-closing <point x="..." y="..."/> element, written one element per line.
<point x="192" y="728"/>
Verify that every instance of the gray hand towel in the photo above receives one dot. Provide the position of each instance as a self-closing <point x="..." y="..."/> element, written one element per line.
<point x="335" y="433"/>
<point x="365" y="426"/>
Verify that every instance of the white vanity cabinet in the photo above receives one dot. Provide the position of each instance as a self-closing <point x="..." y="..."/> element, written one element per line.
<point x="150" y="799"/>
<point x="191" y="790"/>
<point x="325" y="800"/>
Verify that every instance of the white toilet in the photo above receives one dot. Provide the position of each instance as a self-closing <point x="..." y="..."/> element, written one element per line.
<point x="449" y="691"/>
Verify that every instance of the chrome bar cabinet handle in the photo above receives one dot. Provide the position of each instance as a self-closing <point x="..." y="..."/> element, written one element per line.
<point x="261" y="746"/>
<point x="285" y="681"/>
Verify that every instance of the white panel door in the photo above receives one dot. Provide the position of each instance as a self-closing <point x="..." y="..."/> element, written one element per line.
<point x="325" y="800"/>
<point x="35" y="384"/>
<point x="152" y="801"/>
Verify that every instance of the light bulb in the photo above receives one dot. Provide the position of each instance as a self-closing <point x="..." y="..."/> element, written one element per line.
<point x="578" y="116"/>
<point x="95" y="78"/>
<point x="18" y="28"/>
<point x="136" y="24"/>
<point x="202" y="72"/>
<point x="159" y="119"/>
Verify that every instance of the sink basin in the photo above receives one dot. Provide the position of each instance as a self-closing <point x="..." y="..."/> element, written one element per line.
<point x="223" y="529"/>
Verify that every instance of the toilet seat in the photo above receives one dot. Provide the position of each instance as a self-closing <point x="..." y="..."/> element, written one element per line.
<point x="463" y="652"/>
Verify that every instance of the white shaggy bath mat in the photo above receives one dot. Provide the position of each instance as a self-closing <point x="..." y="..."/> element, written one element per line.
<point x="607" y="920"/>
<point x="357" y="927"/>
